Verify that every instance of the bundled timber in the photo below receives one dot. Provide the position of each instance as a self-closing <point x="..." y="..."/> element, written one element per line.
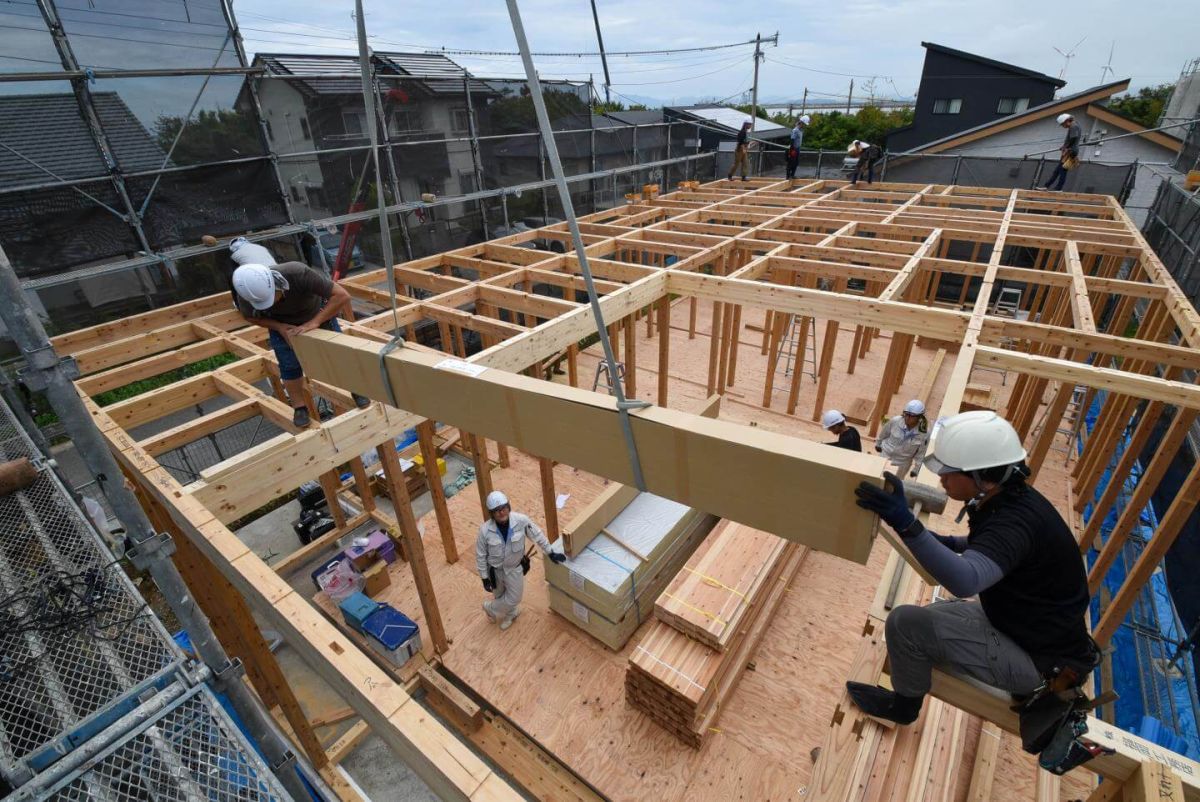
<point x="682" y="683"/>
<point x="712" y="594"/>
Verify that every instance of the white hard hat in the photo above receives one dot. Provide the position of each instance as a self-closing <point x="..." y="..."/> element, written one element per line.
<point x="972" y="441"/>
<point x="804" y="118"/>
<point x="255" y="284"/>
<point x="831" y="418"/>
<point x="915" y="407"/>
<point x="1062" y="118"/>
<point x="496" y="500"/>
<point x="853" y="146"/>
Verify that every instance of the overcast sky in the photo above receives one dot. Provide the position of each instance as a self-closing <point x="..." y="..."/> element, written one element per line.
<point x="855" y="37"/>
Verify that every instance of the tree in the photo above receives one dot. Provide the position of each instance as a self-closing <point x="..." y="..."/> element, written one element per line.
<point x="1146" y="106"/>
<point x="512" y="115"/>
<point x="834" y="130"/>
<point x="210" y="136"/>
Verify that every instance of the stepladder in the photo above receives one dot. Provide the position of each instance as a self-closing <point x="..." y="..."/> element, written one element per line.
<point x="808" y="362"/>
<point x="604" y="380"/>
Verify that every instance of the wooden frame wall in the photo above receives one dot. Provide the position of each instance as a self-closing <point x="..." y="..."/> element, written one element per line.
<point x="869" y="260"/>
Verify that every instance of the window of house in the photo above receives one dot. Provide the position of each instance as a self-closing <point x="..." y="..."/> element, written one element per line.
<point x="460" y="120"/>
<point x="404" y="122"/>
<point x="947" y="105"/>
<point x="1012" y="105"/>
<point x="355" y="122"/>
<point x="304" y="128"/>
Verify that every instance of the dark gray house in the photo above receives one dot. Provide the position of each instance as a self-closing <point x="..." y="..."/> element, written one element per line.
<point x="961" y="90"/>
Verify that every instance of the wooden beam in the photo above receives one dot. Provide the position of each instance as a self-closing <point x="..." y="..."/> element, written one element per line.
<point x="582" y="429"/>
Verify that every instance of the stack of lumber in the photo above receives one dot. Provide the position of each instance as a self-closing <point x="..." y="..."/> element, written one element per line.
<point x="608" y="589"/>
<point x="710" y="620"/>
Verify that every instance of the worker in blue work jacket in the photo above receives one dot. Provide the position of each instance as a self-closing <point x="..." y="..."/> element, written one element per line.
<point x="1019" y="557"/>
<point x="500" y="557"/>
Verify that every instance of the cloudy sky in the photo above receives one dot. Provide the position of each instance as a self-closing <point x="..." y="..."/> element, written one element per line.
<point x="854" y="38"/>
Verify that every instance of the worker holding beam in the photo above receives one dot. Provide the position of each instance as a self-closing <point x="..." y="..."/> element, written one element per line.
<point x="290" y="299"/>
<point x="501" y="560"/>
<point x="1019" y="556"/>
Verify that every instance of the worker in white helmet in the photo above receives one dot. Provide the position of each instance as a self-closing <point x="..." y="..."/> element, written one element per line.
<point x="741" y="152"/>
<point x="834" y="422"/>
<point x="500" y="557"/>
<point x="867" y="154"/>
<point x="903" y="438"/>
<point x="797" y="139"/>
<point x="1019" y="557"/>
<point x="1068" y="154"/>
<point x="290" y="299"/>
<point x="244" y="252"/>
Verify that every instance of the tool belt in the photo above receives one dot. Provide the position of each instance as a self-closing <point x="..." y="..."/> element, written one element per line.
<point x="525" y="561"/>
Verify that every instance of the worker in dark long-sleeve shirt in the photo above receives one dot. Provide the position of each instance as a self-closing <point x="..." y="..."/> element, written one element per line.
<point x="834" y="422"/>
<point x="1019" y="557"/>
<point x="1068" y="153"/>
<point x="741" y="152"/>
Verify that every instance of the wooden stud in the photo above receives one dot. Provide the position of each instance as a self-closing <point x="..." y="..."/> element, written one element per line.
<point x="692" y="318"/>
<point x="483" y="470"/>
<point x="664" y="349"/>
<point x="437" y="493"/>
<point x="549" y="497"/>
<point x="630" y="358"/>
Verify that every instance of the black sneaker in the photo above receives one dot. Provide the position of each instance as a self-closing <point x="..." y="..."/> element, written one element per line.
<point x="300" y="417"/>
<point x="360" y="401"/>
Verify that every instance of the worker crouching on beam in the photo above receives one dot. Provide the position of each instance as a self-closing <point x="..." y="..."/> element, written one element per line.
<point x="501" y="560"/>
<point x="290" y="299"/>
<point x="1019" y="557"/>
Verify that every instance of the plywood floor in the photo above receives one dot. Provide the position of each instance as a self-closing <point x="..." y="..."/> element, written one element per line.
<point x="566" y="690"/>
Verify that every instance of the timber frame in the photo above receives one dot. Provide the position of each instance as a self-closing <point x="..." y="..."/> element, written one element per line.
<point x="1097" y="312"/>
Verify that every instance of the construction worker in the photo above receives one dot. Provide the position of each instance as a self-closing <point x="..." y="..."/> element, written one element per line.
<point x="500" y="557"/>
<point x="1068" y="154"/>
<point x="1019" y="556"/>
<point x="244" y="252"/>
<point x="741" y="152"/>
<point x="834" y="422"/>
<point x="867" y="154"/>
<point x="797" y="139"/>
<point x="904" y="437"/>
<point x="290" y="299"/>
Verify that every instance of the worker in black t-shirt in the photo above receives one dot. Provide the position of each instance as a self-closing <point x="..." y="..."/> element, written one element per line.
<point x="834" y="422"/>
<point x="1019" y="557"/>
<point x="290" y="299"/>
<point x="741" y="152"/>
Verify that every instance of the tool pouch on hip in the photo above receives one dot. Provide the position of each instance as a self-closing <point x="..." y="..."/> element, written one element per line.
<point x="525" y="562"/>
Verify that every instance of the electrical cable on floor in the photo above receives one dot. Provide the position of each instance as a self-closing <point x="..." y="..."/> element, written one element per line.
<point x="564" y="194"/>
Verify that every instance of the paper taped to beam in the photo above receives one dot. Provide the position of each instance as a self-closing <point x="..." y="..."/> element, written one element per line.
<point x="799" y="490"/>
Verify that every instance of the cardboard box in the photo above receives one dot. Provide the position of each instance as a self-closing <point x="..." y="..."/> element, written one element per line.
<point x="377" y="578"/>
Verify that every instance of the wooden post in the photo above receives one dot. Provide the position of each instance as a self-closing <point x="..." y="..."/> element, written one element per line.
<point x="483" y="470"/>
<point x="714" y="347"/>
<point x="437" y="493"/>
<point x="858" y="336"/>
<point x="362" y="484"/>
<point x="1120" y="473"/>
<point x="884" y="396"/>
<point x="331" y="484"/>
<point x="630" y="358"/>
<point x="573" y="365"/>
<point x="549" y="497"/>
<point x="734" y="342"/>
<point x="664" y="348"/>
<point x="1153" y="782"/>
<point x="827" y="349"/>
<point x="768" y="319"/>
<point x="692" y="318"/>
<point x="411" y="537"/>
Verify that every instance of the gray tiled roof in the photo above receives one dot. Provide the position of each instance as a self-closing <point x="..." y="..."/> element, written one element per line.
<point x="48" y="129"/>
<point x="436" y="73"/>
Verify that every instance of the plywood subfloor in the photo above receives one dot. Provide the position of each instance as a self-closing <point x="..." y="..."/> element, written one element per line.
<point x="566" y="690"/>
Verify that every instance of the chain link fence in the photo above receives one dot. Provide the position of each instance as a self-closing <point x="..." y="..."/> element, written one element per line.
<point x="1173" y="231"/>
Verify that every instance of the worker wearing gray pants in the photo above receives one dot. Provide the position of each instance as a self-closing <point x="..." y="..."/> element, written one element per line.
<point x="500" y="554"/>
<point x="1019" y="556"/>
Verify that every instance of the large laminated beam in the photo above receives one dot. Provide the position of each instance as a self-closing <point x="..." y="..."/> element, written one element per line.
<point x="797" y="489"/>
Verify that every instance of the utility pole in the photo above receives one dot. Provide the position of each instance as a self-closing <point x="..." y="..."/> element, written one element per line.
<point x="603" y="58"/>
<point x="850" y="97"/>
<point x="754" y="91"/>
<point x="804" y="102"/>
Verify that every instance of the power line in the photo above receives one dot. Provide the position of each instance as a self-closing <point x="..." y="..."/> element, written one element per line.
<point x="823" y="72"/>
<point x="681" y="80"/>
<point x="454" y="52"/>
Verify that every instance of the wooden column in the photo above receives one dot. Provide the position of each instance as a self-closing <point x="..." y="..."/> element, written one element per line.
<point x="549" y="497"/>
<point x="630" y="358"/>
<point x="413" y="545"/>
<point x="780" y="323"/>
<point x="664" y="348"/>
<point x="884" y="396"/>
<point x="858" y="336"/>
<point x="735" y="339"/>
<point x="331" y="484"/>
<point x="1120" y="473"/>
<point x="483" y="470"/>
<point x="827" y="349"/>
<point x="362" y="484"/>
<point x="714" y="347"/>
<point x="437" y="493"/>
<point x="692" y="318"/>
<point x="573" y="365"/>
<point x="768" y="320"/>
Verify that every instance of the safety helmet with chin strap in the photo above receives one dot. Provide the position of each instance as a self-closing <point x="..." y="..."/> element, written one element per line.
<point x="973" y="442"/>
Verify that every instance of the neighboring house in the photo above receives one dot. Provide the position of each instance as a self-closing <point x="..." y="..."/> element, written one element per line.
<point x="718" y="128"/>
<point x="314" y="102"/>
<point x="961" y="90"/>
<point x="1035" y="134"/>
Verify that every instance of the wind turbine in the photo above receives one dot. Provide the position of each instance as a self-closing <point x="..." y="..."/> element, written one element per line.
<point x="1067" y="57"/>
<point x="1107" y="70"/>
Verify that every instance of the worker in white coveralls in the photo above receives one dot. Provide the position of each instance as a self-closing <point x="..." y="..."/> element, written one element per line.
<point x="904" y="438"/>
<point x="500" y="557"/>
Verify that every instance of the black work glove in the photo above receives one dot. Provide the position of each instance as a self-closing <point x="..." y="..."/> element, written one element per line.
<point x="555" y="557"/>
<point x="913" y="474"/>
<point x="879" y="448"/>
<point x="487" y="585"/>
<point x="889" y="503"/>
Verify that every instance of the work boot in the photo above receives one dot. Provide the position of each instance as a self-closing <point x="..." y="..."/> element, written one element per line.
<point x="360" y="401"/>
<point x="488" y="612"/>
<point x="506" y="623"/>
<point x="882" y="703"/>
<point x="300" y="417"/>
